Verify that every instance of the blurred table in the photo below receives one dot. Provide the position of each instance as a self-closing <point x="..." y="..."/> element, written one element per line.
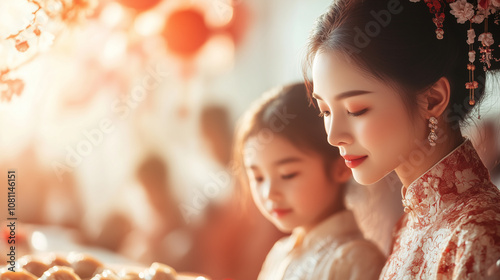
<point x="45" y="239"/>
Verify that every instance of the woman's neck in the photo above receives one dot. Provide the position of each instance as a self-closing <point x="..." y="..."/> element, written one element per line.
<point x="409" y="171"/>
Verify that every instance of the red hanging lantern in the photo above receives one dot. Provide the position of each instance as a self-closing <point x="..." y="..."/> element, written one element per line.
<point x="186" y="32"/>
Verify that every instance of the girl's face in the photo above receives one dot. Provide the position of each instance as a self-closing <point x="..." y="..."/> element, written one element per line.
<point x="365" y="118"/>
<point x="289" y="186"/>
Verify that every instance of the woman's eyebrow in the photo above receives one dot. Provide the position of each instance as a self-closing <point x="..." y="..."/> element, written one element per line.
<point x="315" y="96"/>
<point x="351" y="93"/>
<point x="344" y="95"/>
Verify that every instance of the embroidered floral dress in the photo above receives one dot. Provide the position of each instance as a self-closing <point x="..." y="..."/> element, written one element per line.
<point x="452" y="229"/>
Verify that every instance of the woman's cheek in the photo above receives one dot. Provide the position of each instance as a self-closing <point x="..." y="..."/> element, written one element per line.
<point x="377" y="130"/>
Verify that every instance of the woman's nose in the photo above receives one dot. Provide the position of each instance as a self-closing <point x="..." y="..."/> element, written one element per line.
<point x="338" y="132"/>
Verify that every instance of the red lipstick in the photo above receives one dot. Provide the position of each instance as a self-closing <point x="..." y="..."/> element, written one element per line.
<point x="354" y="161"/>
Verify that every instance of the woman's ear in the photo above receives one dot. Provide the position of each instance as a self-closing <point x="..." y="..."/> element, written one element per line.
<point x="435" y="100"/>
<point x="340" y="172"/>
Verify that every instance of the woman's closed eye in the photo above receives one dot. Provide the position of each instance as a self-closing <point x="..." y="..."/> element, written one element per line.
<point x="357" y="113"/>
<point x="324" y="114"/>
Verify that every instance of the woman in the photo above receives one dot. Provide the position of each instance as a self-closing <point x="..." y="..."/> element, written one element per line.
<point x="389" y="80"/>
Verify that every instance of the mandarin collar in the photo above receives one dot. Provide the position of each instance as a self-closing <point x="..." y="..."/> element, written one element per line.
<point x="440" y="186"/>
<point x="338" y="225"/>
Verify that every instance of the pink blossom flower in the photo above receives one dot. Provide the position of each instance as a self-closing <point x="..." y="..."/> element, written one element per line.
<point x="486" y="39"/>
<point x="483" y="11"/>
<point x="462" y="10"/>
<point x="478" y="18"/>
<point x="15" y="15"/>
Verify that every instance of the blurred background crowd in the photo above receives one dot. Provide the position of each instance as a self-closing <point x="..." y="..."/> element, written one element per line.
<point x="118" y="116"/>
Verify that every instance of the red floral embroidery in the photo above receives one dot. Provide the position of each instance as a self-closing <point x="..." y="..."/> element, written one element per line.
<point x="453" y="228"/>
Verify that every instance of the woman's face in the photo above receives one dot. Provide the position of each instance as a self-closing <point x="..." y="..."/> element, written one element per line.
<point x="289" y="186"/>
<point x="365" y="118"/>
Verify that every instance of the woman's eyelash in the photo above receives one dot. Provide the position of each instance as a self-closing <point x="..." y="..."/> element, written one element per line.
<point x="354" y="114"/>
<point x="358" y="113"/>
<point x="323" y="114"/>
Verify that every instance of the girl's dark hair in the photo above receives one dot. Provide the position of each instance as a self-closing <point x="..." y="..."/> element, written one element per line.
<point x="283" y="112"/>
<point x="395" y="40"/>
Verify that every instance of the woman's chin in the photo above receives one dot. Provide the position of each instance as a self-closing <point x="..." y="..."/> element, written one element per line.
<point x="366" y="179"/>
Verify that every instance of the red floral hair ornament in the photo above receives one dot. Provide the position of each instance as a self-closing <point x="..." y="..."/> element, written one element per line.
<point x="467" y="12"/>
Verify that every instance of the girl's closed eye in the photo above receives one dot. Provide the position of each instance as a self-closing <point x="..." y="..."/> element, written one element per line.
<point x="258" y="179"/>
<point x="289" y="175"/>
<point x="255" y="175"/>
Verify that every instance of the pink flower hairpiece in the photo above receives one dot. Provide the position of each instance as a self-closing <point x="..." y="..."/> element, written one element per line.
<point x="464" y="12"/>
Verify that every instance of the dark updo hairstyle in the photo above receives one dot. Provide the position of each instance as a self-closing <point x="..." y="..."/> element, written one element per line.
<point x="395" y="40"/>
<point x="283" y="112"/>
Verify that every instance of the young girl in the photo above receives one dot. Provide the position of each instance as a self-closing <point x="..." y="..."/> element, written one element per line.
<point x="392" y="95"/>
<point x="297" y="181"/>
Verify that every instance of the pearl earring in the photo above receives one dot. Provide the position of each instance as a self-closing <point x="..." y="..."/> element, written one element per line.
<point x="432" y="135"/>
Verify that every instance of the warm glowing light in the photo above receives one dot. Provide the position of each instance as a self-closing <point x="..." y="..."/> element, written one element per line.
<point x="112" y="14"/>
<point x="114" y="49"/>
<point x="39" y="241"/>
<point x="149" y="23"/>
<point x="217" y="55"/>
